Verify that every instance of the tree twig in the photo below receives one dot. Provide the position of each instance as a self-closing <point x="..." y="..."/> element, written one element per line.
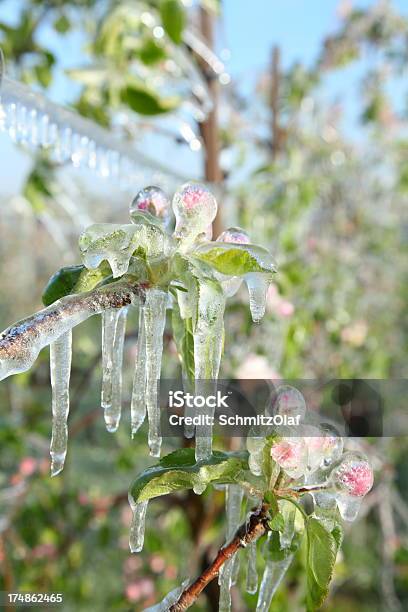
<point x="248" y="532"/>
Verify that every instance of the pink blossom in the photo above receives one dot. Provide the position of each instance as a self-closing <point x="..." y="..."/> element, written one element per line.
<point x="285" y="308"/>
<point x="357" y="479"/>
<point x="28" y="466"/>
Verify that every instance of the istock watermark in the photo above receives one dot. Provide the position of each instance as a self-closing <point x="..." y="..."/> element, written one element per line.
<point x="238" y="408"/>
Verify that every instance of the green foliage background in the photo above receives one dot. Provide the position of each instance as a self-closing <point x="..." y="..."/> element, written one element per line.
<point x="333" y="211"/>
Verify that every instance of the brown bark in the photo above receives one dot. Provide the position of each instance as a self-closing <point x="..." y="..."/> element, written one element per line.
<point x="248" y="532"/>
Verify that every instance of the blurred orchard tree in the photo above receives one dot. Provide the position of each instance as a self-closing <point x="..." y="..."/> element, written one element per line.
<point x="330" y="203"/>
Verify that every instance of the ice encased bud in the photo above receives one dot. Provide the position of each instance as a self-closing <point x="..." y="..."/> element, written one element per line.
<point x="351" y="480"/>
<point x="195" y="209"/>
<point x="151" y="200"/>
<point x="333" y="445"/>
<point x="353" y="475"/>
<point x="234" y="235"/>
<point x="289" y="402"/>
<point x="291" y="454"/>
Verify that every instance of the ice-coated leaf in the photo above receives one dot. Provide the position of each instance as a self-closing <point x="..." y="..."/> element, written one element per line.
<point x="235" y="259"/>
<point x="179" y="470"/>
<point x="277" y="523"/>
<point x="173" y="19"/>
<point x="118" y="243"/>
<point x="184" y="339"/>
<point x="322" y="548"/>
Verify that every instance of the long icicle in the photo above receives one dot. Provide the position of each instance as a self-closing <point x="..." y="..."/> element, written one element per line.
<point x="138" y="402"/>
<point x="251" y="585"/>
<point x="109" y="323"/>
<point x="208" y="342"/>
<point x="60" y="368"/>
<point x="272" y="577"/>
<point x="137" y="528"/>
<point x="233" y="500"/>
<point x="113" y="415"/>
<point x="155" y="319"/>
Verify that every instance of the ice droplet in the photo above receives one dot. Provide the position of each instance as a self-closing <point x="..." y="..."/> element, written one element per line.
<point x="154" y="201"/>
<point x="60" y="367"/>
<point x="137" y="528"/>
<point x="233" y="235"/>
<point x="195" y="209"/>
<point x="138" y="402"/>
<point x="272" y="577"/>
<point x="348" y="506"/>
<point x="155" y="319"/>
<point x="257" y="283"/>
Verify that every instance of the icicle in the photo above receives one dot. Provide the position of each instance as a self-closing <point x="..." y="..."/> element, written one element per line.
<point x="252" y="572"/>
<point x="251" y="552"/>
<point x="257" y="283"/>
<point x="273" y="574"/>
<point x="208" y="340"/>
<point x="233" y="500"/>
<point x="109" y="323"/>
<point x="137" y="528"/>
<point x="21" y="343"/>
<point x="155" y="319"/>
<point x="170" y="599"/>
<point x="60" y="366"/>
<point x="138" y="402"/>
<point x="112" y="359"/>
<point x="286" y="536"/>
<point x="255" y="446"/>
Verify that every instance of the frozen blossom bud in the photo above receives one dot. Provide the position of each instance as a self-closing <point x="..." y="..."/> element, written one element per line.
<point x="289" y="402"/>
<point x="291" y="455"/>
<point x="195" y="209"/>
<point x="353" y="475"/>
<point x="333" y="445"/>
<point x="152" y="200"/>
<point x="234" y="235"/>
<point x="325" y="446"/>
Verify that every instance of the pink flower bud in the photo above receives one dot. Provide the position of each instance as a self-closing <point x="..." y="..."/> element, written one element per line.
<point x="152" y="200"/>
<point x="195" y="208"/>
<point x="291" y="455"/>
<point x="353" y="475"/>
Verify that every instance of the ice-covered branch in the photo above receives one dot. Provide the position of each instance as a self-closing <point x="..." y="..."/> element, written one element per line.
<point x="248" y="532"/>
<point x="21" y="343"/>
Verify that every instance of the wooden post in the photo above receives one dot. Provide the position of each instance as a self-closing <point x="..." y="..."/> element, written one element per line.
<point x="209" y="127"/>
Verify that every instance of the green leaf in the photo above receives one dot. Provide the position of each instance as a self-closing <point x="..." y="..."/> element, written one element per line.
<point x="173" y="19"/>
<point x="235" y="259"/>
<point x="322" y="548"/>
<point x="146" y="102"/>
<point x="62" y="24"/>
<point x="179" y="471"/>
<point x="73" y="279"/>
<point x="184" y="339"/>
<point x="151" y="53"/>
<point x="61" y="283"/>
<point x="277" y="523"/>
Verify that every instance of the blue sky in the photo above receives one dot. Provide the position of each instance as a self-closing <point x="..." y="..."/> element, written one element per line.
<point x="248" y="29"/>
